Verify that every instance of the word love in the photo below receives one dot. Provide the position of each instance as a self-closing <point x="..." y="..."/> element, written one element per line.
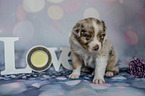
<point x="38" y="58"/>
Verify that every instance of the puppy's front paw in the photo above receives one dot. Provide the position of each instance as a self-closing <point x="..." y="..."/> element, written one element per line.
<point x="74" y="76"/>
<point x="109" y="74"/>
<point x="98" y="80"/>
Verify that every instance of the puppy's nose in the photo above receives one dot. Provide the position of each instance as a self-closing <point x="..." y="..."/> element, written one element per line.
<point x="96" y="48"/>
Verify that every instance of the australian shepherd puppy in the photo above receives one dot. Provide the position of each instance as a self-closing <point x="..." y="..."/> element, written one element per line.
<point x="91" y="47"/>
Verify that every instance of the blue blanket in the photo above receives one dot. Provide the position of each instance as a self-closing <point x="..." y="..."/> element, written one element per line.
<point x="52" y="83"/>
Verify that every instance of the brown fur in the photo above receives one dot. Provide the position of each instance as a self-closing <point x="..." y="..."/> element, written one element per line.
<point x="76" y="61"/>
<point x="85" y="28"/>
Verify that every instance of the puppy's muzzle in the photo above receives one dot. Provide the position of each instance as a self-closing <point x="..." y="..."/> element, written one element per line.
<point x="96" y="47"/>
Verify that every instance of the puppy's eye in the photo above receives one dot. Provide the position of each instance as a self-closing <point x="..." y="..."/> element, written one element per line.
<point x="102" y="36"/>
<point x="88" y="37"/>
<point x="83" y="30"/>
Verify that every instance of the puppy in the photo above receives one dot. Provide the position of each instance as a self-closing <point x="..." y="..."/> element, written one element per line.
<point x="91" y="47"/>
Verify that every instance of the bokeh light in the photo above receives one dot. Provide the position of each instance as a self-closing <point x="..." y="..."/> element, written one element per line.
<point x="24" y="30"/>
<point x="33" y="6"/>
<point x="55" y="12"/>
<point x="55" y="1"/>
<point x="70" y="6"/>
<point x="131" y="37"/>
<point x="20" y="13"/>
<point x="91" y="12"/>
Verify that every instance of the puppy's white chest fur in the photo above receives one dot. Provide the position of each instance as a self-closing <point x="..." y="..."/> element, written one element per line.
<point x="89" y="61"/>
<point x="87" y="58"/>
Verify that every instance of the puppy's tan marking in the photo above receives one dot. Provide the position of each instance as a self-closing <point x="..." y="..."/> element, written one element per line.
<point x="77" y="63"/>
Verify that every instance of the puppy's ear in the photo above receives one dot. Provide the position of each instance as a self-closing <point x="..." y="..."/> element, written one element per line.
<point x="104" y="31"/>
<point x="77" y="30"/>
<point x="104" y="26"/>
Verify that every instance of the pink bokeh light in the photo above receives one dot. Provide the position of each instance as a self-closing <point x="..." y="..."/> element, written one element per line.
<point x="131" y="37"/>
<point x="20" y="13"/>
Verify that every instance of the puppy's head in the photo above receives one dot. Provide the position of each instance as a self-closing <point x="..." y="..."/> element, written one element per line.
<point x="90" y="33"/>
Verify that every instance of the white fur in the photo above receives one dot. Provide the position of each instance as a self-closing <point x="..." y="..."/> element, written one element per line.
<point x="101" y="63"/>
<point x="76" y="73"/>
<point x="95" y="40"/>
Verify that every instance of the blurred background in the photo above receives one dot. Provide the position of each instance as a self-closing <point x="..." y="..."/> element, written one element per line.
<point x="49" y="23"/>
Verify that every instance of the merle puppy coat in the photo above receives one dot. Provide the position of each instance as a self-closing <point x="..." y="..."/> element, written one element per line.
<point x="91" y="47"/>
